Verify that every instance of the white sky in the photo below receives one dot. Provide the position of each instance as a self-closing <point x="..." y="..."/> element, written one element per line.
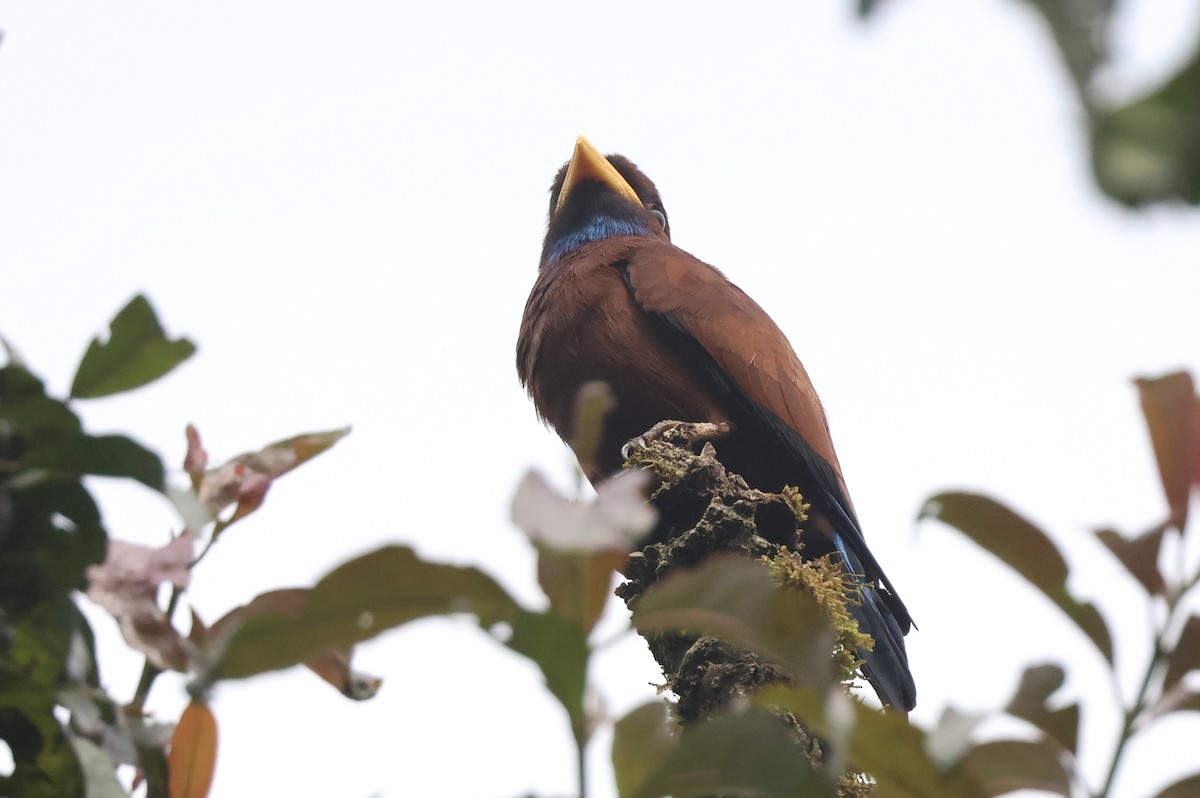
<point x="343" y="206"/>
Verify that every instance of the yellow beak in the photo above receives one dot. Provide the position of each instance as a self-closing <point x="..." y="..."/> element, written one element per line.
<point x="588" y="164"/>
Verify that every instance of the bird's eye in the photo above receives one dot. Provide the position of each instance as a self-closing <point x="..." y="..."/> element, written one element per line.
<point x="662" y="217"/>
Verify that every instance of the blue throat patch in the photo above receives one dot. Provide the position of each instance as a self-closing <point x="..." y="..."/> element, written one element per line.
<point x="598" y="227"/>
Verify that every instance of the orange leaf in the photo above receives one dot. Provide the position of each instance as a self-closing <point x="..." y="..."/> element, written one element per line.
<point x="1169" y="404"/>
<point x="193" y="754"/>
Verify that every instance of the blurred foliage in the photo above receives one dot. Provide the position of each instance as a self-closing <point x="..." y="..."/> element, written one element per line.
<point x="53" y="543"/>
<point x="1144" y="151"/>
<point x="50" y="533"/>
<point x="1167" y="586"/>
<point x="791" y="727"/>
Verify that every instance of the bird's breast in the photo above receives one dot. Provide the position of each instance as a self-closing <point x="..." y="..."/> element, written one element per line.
<point x="582" y="325"/>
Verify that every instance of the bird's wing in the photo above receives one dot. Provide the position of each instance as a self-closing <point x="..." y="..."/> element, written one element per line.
<point x="742" y="340"/>
<point x="727" y="334"/>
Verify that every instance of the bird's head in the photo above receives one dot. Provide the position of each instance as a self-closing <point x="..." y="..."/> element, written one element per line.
<point x="594" y="197"/>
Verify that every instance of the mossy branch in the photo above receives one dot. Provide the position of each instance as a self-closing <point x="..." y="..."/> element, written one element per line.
<point x="706" y="511"/>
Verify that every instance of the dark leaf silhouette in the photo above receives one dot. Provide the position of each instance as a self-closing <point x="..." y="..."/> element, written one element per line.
<point x="75" y="454"/>
<point x="1169" y="405"/>
<point x="1139" y="556"/>
<point x="1038" y="683"/>
<point x="1024" y="548"/>
<point x="1008" y="765"/>
<point x="1185" y="656"/>
<point x="1184" y="788"/>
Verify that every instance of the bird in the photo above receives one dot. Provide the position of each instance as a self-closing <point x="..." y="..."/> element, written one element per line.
<point x="616" y="301"/>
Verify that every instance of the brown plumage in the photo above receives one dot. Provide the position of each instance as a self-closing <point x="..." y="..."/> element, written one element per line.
<point x="616" y="301"/>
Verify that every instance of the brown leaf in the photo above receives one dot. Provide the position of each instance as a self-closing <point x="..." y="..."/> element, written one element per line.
<point x="1025" y="548"/>
<point x="193" y="756"/>
<point x="287" y="602"/>
<point x="1185" y="656"/>
<point x="1007" y="765"/>
<point x="1139" y="556"/>
<point x="245" y="479"/>
<point x="1184" y="788"/>
<point x="1169" y="404"/>
<point x="196" y="459"/>
<point x="1038" y="683"/>
<point x="333" y="665"/>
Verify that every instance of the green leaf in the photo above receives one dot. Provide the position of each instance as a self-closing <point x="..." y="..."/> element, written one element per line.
<point x="24" y="403"/>
<point x="51" y="769"/>
<point x="1169" y="405"/>
<point x="1149" y="150"/>
<point x="578" y="583"/>
<point x="74" y="454"/>
<point x="137" y="352"/>
<point x="867" y="7"/>
<point x="1038" y="683"/>
<point x="1024" y="548"/>
<point x="1080" y="30"/>
<point x="882" y="744"/>
<point x="331" y="663"/>
<point x="1008" y="765"/>
<point x="355" y="602"/>
<point x="1139" y="556"/>
<point x="246" y="478"/>
<point x="642" y="740"/>
<point x="738" y="601"/>
<point x="1184" y="788"/>
<point x="35" y="660"/>
<point x="1185" y="655"/>
<point x="559" y="647"/>
<point x="741" y="753"/>
<point x="52" y="534"/>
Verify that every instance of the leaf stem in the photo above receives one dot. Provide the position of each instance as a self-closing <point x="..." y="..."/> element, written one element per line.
<point x="217" y="530"/>
<point x="1174" y="602"/>
<point x="150" y="671"/>
<point x="581" y="761"/>
<point x="1131" y="715"/>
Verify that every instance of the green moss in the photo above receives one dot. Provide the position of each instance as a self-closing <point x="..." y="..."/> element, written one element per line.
<point x="830" y="586"/>
<point x="796" y="501"/>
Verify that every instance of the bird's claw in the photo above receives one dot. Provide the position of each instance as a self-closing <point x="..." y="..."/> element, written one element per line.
<point x="678" y="432"/>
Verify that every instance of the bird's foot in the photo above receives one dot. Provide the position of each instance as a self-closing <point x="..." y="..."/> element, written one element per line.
<point x="686" y="433"/>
